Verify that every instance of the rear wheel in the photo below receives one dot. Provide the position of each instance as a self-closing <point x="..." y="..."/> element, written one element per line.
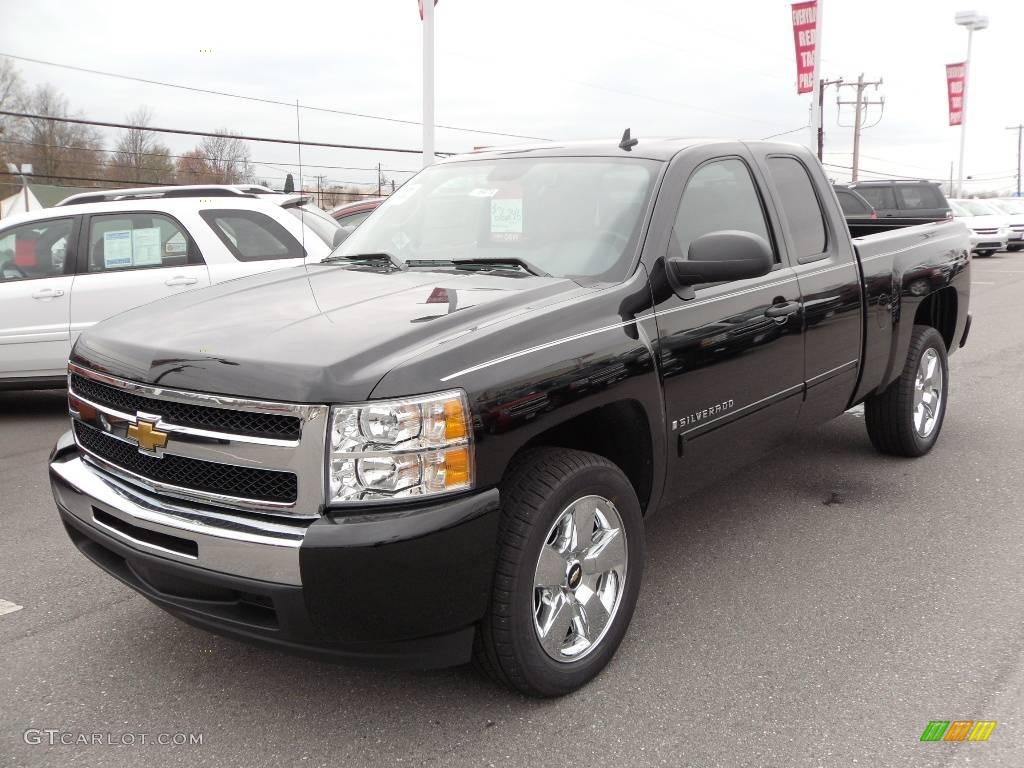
<point x="906" y="418"/>
<point x="1014" y="247"/>
<point x="984" y="254"/>
<point x="570" y="562"/>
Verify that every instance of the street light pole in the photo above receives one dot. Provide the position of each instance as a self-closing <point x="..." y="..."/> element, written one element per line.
<point x="973" y="21"/>
<point x="1019" y="128"/>
<point x="428" y="81"/>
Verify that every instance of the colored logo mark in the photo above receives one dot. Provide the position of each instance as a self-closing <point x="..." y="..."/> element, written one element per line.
<point x="958" y="730"/>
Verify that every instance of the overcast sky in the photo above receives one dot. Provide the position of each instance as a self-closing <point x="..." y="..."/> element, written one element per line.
<point x="557" y="69"/>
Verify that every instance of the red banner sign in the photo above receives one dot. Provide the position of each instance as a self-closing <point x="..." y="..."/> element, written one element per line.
<point x="955" y="78"/>
<point x="805" y="35"/>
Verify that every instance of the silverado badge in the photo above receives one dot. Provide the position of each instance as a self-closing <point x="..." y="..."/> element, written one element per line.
<point x="145" y="433"/>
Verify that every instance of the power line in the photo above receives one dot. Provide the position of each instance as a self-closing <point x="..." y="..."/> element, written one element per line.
<point x="277" y="102"/>
<point x="182" y="131"/>
<point x="144" y="183"/>
<point x="214" y="159"/>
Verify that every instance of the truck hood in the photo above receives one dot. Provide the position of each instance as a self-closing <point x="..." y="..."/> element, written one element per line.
<point x="317" y="333"/>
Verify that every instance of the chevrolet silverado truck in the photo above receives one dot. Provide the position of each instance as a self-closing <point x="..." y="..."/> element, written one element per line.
<point x="441" y="444"/>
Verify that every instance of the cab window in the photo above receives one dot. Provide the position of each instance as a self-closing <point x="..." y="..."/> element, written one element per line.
<point x="719" y="195"/>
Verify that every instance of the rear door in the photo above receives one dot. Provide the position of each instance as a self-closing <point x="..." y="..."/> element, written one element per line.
<point x="36" y="275"/>
<point x="129" y="259"/>
<point x="829" y="281"/>
<point x="730" y="356"/>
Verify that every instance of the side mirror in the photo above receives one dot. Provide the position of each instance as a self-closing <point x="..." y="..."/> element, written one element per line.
<point x="340" y="236"/>
<point x="721" y="256"/>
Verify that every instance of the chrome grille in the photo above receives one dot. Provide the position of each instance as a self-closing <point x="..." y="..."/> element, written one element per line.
<point x="252" y="455"/>
<point x="223" y="479"/>
<point x="185" y="415"/>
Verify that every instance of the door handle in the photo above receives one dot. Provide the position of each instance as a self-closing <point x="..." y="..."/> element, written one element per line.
<point x="780" y="312"/>
<point x="181" y="280"/>
<point x="47" y="293"/>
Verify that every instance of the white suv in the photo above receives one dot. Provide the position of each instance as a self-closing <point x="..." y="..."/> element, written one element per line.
<point x="95" y="254"/>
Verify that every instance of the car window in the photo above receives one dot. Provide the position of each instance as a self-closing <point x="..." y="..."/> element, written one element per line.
<point x="322" y="225"/>
<point x="35" y="250"/>
<point x="800" y="206"/>
<point x="253" y="236"/>
<point x="719" y="195"/>
<point x="920" y="196"/>
<point x="137" y="241"/>
<point x="881" y="198"/>
<point x="851" y="204"/>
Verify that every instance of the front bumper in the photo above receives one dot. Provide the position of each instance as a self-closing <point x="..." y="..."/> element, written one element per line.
<point x="404" y="587"/>
<point x="986" y="242"/>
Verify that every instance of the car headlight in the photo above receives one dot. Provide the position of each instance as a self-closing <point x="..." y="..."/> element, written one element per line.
<point x="398" y="449"/>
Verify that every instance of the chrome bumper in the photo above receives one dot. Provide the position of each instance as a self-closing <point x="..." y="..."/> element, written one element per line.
<point x="224" y="542"/>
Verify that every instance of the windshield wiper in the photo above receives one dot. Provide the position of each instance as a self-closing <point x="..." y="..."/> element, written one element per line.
<point x="502" y="261"/>
<point x="364" y="258"/>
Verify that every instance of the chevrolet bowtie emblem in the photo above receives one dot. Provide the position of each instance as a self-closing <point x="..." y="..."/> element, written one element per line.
<point x="148" y="438"/>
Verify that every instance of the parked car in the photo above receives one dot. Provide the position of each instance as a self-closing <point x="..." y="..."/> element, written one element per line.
<point x="904" y="202"/>
<point x="351" y="215"/>
<point x="988" y="226"/>
<point x="353" y="472"/>
<point x="95" y="254"/>
<point x="1013" y="209"/>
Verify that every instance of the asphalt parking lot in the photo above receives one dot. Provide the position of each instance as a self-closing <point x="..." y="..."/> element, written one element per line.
<point x="818" y="609"/>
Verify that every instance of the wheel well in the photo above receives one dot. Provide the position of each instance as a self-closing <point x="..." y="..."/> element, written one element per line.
<point x="939" y="311"/>
<point x="619" y="431"/>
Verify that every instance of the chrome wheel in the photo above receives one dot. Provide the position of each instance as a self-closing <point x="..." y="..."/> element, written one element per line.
<point x="927" y="393"/>
<point x="579" y="579"/>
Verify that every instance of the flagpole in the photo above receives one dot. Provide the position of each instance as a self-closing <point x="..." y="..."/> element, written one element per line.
<point x="816" y="117"/>
<point x="428" y="82"/>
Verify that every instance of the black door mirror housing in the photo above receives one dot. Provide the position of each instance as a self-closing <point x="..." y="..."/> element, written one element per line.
<point x="716" y="257"/>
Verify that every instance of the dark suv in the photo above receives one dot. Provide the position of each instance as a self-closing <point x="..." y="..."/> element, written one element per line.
<point x="915" y="201"/>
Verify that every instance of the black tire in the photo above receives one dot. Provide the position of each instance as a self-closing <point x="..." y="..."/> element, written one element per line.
<point x="1013" y="248"/>
<point x="984" y="254"/>
<point x="889" y="415"/>
<point x="538" y="487"/>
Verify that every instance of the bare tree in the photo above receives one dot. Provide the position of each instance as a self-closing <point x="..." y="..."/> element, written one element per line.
<point x="59" y="152"/>
<point x="12" y="96"/>
<point x="139" y="156"/>
<point x="194" y="168"/>
<point x="228" y="158"/>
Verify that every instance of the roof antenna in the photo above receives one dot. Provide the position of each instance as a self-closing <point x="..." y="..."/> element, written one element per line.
<point x="628" y="143"/>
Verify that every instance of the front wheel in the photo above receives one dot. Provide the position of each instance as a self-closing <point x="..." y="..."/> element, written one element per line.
<point x="905" y="419"/>
<point x="984" y="254"/>
<point x="570" y="562"/>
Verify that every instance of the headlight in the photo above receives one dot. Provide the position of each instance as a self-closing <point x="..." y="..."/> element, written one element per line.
<point x="397" y="449"/>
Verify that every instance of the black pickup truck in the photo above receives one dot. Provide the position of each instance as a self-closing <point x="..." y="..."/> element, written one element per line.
<point x="441" y="444"/>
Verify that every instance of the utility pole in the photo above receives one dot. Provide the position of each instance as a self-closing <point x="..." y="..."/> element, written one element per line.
<point x="427" y="14"/>
<point x="822" y="85"/>
<point x="974" y="22"/>
<point x="860" y="104"/>
<point x="1019" y="128"/>
<point x="378" y="180"/>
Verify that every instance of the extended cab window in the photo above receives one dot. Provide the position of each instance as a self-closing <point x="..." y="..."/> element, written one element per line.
<point x="34" y="250"/>
<point x="252" y="236"/>
<point x="799" y="206"/>
<point x="719" y="195"/>
<point x="137" y="241"/>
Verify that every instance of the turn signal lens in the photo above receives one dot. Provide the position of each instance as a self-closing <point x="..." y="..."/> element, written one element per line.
<point x="456" y="468"/>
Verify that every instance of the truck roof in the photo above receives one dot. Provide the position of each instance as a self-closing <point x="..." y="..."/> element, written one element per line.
<point x="650" y="148"/>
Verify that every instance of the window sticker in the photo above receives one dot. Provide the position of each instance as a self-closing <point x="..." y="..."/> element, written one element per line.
<point x="117" y="249"/>
<point x="146" y="247"/>
<point x="176" y="245"/>
<point x="401" y="240"/>
<point x="507" y="216"/>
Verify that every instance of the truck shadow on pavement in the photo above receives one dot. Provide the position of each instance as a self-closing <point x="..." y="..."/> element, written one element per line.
<point x="42" y="402"/>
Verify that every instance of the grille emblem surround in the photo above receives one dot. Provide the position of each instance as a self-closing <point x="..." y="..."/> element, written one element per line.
<point x="151" y="441"/>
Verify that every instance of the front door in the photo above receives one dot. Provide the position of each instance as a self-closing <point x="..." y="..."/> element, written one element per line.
<point x="131" y="259"/>
<point x="730" y="356"/>
<point x="36" y="273"/>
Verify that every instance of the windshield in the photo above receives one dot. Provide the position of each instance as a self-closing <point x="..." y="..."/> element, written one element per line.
<point x="570" y="217"/>
<point x="323" y="225"/>
<point x="977" y="208"/>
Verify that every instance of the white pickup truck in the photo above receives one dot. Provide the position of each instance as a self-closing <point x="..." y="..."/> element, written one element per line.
<point x="64" y="269"/>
